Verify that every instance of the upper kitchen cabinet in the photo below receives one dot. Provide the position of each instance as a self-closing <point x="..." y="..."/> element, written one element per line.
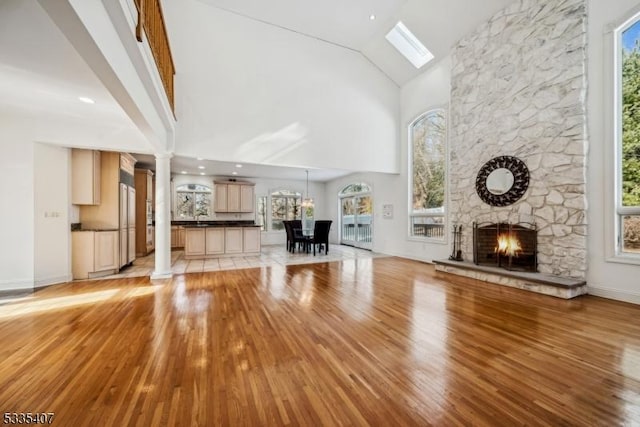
<point x="85" y="177"/>
<point x="234" y="197"/>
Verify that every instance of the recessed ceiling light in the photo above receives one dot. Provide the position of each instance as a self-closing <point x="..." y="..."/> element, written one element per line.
<point x="408" y="45"/>
<point x="238" y="165"/>
<point x="183" y="172"/>
<point x="200" y="167"/>
<point x="372" y="17"/>
<point x="234" y="173"/>
<point x="86" y="100"/>
<point x="201" y="173"/>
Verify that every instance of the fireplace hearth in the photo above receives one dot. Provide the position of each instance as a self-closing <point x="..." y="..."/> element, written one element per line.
<point x="510" y="246"/>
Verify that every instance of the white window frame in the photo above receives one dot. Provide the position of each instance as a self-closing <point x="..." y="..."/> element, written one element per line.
<point x="613" y="155"/>
<point x="265" y="226"/>
<point x="444" y="215"/>
<point x="193" y="192"/>
<point x="299" y="194"/>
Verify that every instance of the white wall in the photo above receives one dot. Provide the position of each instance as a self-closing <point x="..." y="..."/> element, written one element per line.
<point x="608" y="279"/>
<point x="16" y="215"/>
<point x="251" y="92"/>
<point x="263" y="187"/>
<point x="390" y="236"/>
<point x="52" y="206"/>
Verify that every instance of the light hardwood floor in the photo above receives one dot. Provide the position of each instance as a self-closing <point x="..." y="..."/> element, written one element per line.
<point x="381" y="341"/>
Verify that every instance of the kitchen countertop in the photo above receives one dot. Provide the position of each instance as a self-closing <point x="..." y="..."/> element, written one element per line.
<point x="194" y="224"/>
<point x="202" y="225"/>
<point x="95" y="229"/>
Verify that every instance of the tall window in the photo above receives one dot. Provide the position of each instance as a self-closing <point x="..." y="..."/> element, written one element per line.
<point x="193" y="201"/>
<point x="628" y="122"/>
<point x="285" y="205"/>
<point x="427" y="138"/>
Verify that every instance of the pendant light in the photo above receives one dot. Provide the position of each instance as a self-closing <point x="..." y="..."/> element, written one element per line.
<point x="307" y="202"/>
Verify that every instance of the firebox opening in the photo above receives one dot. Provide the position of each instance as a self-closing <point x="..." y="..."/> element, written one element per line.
<point x="506" y="245"/>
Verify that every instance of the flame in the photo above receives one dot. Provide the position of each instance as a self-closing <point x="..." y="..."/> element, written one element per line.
<point x="508" y="245"/>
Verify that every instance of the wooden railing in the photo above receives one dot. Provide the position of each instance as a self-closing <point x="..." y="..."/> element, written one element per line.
<point x="151" y="20"/>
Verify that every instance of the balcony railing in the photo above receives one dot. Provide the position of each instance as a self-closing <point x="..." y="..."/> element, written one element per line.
<point x="359" y="233"/>
<point x="434" y="231"/>
<point x="151" y="20"/>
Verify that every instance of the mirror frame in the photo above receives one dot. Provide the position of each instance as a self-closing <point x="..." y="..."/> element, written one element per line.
<point x="520" y="181"/>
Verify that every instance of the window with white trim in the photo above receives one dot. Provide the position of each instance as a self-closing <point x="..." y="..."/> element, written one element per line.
<point x="261" y="212"/>
<point x="285" y="205"/>
<point x="193" y="201"/>
<point x="427" y="174"/>
<point x="628" y="137"/>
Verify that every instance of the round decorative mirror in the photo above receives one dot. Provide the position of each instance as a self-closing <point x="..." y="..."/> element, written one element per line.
<point x="502" y="181"/>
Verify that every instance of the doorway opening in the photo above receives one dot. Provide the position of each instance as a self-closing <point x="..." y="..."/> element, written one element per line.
<point x="356" y="215"/>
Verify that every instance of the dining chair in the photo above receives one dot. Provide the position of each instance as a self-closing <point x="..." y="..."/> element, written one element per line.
<point x="321" y="235"/>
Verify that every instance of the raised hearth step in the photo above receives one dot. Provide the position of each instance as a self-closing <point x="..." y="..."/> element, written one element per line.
<point x="561" y="287"/>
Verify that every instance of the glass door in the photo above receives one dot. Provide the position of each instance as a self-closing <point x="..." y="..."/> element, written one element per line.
<point x="356" y="221"/>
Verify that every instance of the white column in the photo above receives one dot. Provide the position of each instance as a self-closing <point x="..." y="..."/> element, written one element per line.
<point x="163" y="217"/>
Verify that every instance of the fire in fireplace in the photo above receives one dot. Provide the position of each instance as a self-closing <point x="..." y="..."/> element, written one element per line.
<point x="506" y="245"/>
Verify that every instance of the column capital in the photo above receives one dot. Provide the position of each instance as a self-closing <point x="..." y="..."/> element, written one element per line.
<point x="162" y="156"/>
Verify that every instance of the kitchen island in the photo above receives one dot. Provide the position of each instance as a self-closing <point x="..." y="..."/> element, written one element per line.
<point x="221" y="239"/>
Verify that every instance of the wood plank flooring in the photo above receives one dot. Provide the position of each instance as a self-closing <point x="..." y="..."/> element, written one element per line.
<point x="381" y="341"/>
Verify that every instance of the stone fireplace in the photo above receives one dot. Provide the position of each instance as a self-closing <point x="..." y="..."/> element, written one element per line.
<point x="518" y="88"/>
<point x="505" y="245"/>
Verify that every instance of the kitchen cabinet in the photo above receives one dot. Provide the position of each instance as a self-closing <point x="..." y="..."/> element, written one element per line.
<point x="220" y="202"/>
<point x="178" y="234"/>
<point x="143" y="211"/>
<point x="246" y="198"/>
<point x="234" y="197"/>
<point x="233" y="240"/>
<point x="85" y="177"/>
<point x="214" y="241"/>
<point x="195" y="242"/>
<point x="95" y="253"/>
<point x="251" y="239"/>
<point x="116" y="195"/>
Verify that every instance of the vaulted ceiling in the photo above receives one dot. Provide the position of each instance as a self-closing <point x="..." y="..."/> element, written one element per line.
<point x="42" y="76"/>
<point x="438" y="24"/>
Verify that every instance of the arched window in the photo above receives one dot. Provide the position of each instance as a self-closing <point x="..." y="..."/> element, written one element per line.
<point x="193" y="201"/>
<point x="628" y="139"/>
<point x="285" y="205"/>
<point x="355" y="188"/>
<point x="427" y="174"/>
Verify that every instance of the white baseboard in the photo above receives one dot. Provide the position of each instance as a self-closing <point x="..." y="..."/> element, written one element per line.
<point x="47" y="281"/>
<point x="403" y="255"/>
<point x="616" y="294"/>
<point x="16" y="285"/>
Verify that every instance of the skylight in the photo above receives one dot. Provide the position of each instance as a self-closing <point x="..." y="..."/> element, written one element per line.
<point x="409" y="45"/>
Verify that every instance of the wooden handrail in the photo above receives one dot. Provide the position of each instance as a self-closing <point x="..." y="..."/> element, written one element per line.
<point x="151" y="20"/>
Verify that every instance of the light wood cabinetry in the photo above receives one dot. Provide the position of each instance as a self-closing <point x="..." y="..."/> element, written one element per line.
<point x="220" y="202"/>
<point x="95" y="253"/>
<point x="214" y="241"/>
<point x="234" y="197"/>
<point x="85" y="177"/>
<point x="233" y="240"/>
<point x="143" y="211"/>
<point x="251" y="239"/>
<point x="221" y="241"/>
<point x="246" y="198"/>
<point x="178" y="236"/>
<point x="195" y="242"/>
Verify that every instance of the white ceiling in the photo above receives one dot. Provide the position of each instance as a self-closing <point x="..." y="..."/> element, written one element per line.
<point x="345" y="23"/>
<point x="438" y="24"/>
<point x="248" y="170"/>
<point x="41" y="78"/>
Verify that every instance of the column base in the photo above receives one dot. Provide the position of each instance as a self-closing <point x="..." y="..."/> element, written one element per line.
<point x="157" y="275"/>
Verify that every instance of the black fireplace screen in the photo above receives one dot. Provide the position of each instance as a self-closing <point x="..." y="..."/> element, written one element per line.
<point x="506" y="245"/>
